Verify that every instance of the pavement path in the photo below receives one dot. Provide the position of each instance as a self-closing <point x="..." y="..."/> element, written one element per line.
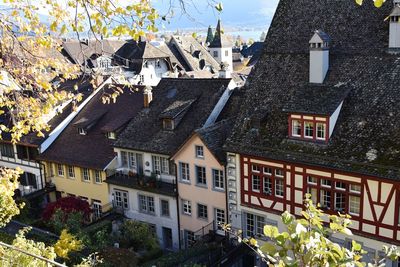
<point x="13" y="227"/>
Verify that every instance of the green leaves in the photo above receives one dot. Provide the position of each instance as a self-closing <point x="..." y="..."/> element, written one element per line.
<point x="271" y="231"/>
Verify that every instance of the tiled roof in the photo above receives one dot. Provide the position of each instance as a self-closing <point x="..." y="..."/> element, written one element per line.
<point x="95" y="150"/>
<point x="145" y="131"/>
<point x="366" y="138"/>
<point x="80" y="52"/>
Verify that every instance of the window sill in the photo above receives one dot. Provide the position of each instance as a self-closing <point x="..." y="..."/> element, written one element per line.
<point x="186" y="214"/>
<point x="148" y="213"/>
<point x="220" y="190"/>
<point x="185" y="182"/>
<point x="203" y="219"/>
<point x="86" y="181"/>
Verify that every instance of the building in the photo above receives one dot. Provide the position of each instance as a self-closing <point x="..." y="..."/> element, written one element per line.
<point x="77" y="161"/>
<point x="144" y="183"/>
<point x="24" y="153"/>
<point x="92" y="55"/>
<point x="142" y="63"/>
<point x="221" y="48"/>
<point x="200" y="164"/>
<point x="320" y="117"/>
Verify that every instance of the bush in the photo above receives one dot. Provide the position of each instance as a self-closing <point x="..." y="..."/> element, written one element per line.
<point x="137" y="235"/>
<point x="67" y="205"/>
<point x="61" y="220"/>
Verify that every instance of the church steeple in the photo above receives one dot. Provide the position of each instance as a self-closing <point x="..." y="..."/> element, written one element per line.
<point x="221" y="48"/>
<point x="217" y="41"/>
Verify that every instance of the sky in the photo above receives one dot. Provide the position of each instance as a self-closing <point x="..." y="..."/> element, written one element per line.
<point x="236" y="13"/>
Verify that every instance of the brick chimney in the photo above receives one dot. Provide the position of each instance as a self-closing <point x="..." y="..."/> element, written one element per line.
<point x="147" y="96"/>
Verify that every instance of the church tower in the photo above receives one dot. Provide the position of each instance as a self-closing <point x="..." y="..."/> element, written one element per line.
<point x="221" y="48"/>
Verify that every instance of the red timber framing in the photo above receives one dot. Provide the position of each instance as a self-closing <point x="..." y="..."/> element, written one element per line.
<point x="371" y="201"/>
<point x="314" y="120"/>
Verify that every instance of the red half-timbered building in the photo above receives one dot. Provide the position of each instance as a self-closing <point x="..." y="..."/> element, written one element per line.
<point x="320" y="116"/>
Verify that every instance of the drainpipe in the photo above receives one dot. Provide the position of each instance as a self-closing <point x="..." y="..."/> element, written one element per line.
<point x="177" y="206"/>
<point x="226" y="193"/>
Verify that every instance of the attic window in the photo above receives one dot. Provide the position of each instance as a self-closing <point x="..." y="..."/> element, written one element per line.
<point x="158" y="64"/>
<point x="111" y="135"/>
<point x="82" y="131"/>
<point x="308" y="127"/>
<point x="168" y="124"/>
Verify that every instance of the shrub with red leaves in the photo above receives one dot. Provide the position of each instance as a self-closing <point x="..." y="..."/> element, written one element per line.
<point x="67" y="205"/>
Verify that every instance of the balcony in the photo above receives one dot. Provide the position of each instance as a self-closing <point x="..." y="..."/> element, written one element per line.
<point x="143" y="183"/>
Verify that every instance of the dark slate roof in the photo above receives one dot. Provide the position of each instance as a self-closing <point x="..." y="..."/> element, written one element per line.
<point x="366" y="138"/>
<point x="137" y="52"/>
<point x="215" y="136"/>
<point x="80" y="52"/>
<point x="195" y="56"/>
<point x="220" y="39"/>
<point x="85" y="88"/>
<point x="145" y="132"/>
<point x="95" y="150"/>
<point x="316" y="99"/>
<point x="255" y="48"/>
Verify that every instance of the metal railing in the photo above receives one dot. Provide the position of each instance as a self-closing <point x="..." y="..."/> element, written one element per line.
<point x="11" y="261"/>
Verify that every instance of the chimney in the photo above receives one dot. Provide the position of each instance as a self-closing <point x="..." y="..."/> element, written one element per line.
<point x="394" y="26"/>
<point x="147" y="96"/>
<point x="224" y="71"/>
<point x="319" y="56"/>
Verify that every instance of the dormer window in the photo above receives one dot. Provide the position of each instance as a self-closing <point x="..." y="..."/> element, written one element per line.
<point x="82" y="131"/>
<point x="111" y="135"/>
<point x="168" y="124"/>
<point x="308" y="127"/>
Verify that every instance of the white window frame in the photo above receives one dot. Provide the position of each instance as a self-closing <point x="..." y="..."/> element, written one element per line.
<point x="201" y="208"/>
<point x="71" y="172"/>
<point x="162" y="213"/>
<point x="97" y="209"/>
<point x="279" y="187"/>
<point x="146" y="204"/>
<point x="160" y="165"/>
<point x="307" y="128"/>
<point x="111" y="135"/>
<point x="198" y="182"/>
<point x="199" y="150"/>
<point x="321" y="131"/>
<point x="350" y="205"/>
<point x="255" y="189"/>
<point x="121" y="199"/>
<point x="187" y="207"/>
<point x="218" y="179"/>
<point x="97" y="177"/>
<point x="296" y="125"/>
<point x="60" y="170"/>
<point x="219" y="217"/>
<point x="85" y="174"/>
<point x="184" y="171"/>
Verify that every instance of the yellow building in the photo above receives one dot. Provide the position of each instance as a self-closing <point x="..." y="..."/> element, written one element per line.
<point x="77" y="161"/>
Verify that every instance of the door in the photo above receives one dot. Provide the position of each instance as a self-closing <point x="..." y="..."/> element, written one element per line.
<point x="139" y="159"/>
<point x="167" y="238"/>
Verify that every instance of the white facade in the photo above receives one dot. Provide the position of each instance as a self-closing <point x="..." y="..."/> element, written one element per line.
<point x="162" y="224"/>
<point x="222" y="55"/>
<point x="33" y="177"/>
<point x="394" y="31"/>
<point x="151" y="73"/>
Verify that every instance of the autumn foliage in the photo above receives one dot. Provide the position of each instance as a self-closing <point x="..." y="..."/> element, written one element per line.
<point x="67" y="205"/>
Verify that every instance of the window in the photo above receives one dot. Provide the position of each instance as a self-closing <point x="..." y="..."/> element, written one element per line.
<point x="219" y="218"/>
<point x="267" y="171"/>
<point x="226" y="53"/>
<point x="86" y="174"/>
<point x="142" y="78"/>
<point x="279" y="187"/>
<point x="187" y="207"/>
<point x="255" y="168"/>
<point x="71" y="172"/>
<point x="201" y="175"/>
<point x="97" y="177"/>
<point x="97" y="209"/>
<point x="146" y="204"/>
<point x="184" y="171"/>
<point x="202" y="212"/>
<point x="60" y="170"/>
<point x="132" y="160"/>
<point x="7" y="150"/>
<point x="254" y="225"/>
<point x="218" y="179"/>
<point x="336" y="196"/>
<point x="215" y="53"/>
<point x="160" y="165"/>
<point x="82" y="131"/>
<point x="279" y="172"/>
<point x="164" y="208"/>
<point x="121" y="199"/>
<point x="267" y="186"/>
<point x="168" y="124"/>
<point x="308" y="129"/>
<point x="321" y="131"/>
<point x="111" y="135"/>
<point x="296" y="128"/>
<point x="158" y="64"/>
<point x="199" y="152"/>
<point x="190" y="238"/>
<point x="256" y="183"/>
<point x="354" y="205"/>
<point x="124" y="159"/>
